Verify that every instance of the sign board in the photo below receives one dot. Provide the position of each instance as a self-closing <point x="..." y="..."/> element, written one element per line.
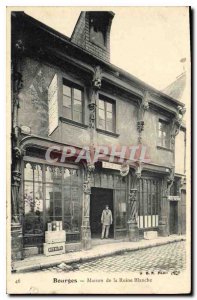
<point x="108" y="165"/>
<point x="53" y="104"/>
<point x="54" y="249"/>
<point x="174" y="198"/>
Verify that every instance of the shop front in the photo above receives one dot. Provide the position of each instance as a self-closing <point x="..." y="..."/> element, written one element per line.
<point x="56" y="193"/>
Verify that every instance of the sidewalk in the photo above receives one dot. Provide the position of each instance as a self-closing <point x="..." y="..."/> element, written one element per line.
<point x="41" y="261"/>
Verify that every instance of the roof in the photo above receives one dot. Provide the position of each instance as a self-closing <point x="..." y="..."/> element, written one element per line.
<point x="177" y="87"/>
<point x="113" y="68"/>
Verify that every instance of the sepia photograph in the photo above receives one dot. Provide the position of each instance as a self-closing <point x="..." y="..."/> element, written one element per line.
<point x="98" y="150"/>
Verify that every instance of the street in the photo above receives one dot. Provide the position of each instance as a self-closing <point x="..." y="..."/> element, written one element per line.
<point x="165" y="258"/>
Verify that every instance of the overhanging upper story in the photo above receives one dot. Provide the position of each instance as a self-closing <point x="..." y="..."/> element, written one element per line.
<point x="51" y="63"/>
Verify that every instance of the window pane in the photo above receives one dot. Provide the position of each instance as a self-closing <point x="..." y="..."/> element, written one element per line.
<point x="101" y="104"/>
<point x="101" y="114"/>
<point x="58" y="208"/>
<point x="49" y="192"/>
<point x="67" y="101"/>
<point x="33" y="222"/>
<point x="57" y="176"/>
<point x="28" y="197"/>
<point x="38" y="173"/>
<point x="76" y="212"/>
<point x="38" y="194"/>
<point x="57" y="190"/>
<point x="66" y="90"/>
<point x="77" y="94"/>
<point x="66" y="176"/>
<point x="66" y="190"/>
<point x="109" y="126"/>
<point x="109" y="107"/>
<point x="49" y="207"/>
<point x="67" y="208"/>
<point x="68" y="113"/>
<point x="101" y="124"/>
<point x="28" y="173"/>
<point x="74" y="177"/>
<point x="77" y="116"/>
<point x="49" y="174"/>
<point x="77" y="105"/>
<point x="75" y="193"/>
<point x="109" y="116"/>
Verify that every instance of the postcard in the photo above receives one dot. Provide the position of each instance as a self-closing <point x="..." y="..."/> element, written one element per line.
<point x="98" y="164"/>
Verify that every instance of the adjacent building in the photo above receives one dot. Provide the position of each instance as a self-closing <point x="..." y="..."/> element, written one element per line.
<point x="66" y="93"/>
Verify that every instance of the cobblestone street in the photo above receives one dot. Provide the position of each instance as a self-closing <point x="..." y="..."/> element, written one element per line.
<point x="165" y="258"/>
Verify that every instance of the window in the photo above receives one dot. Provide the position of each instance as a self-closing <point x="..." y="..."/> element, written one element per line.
<point x="72" y="102"/>
<point x="149" y="203"/>
<point x="50" y="194"/>
<point x="106" y="115"/>
<point x="163" y="134"/>
<point x="98" y="31"/>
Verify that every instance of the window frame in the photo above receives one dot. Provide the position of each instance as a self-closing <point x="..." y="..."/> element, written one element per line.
<point x="94" y="22"/>
<point x="73" y="85"/>
<point x="149" y="202"/>
<point x="163" y="142"/>
<point x="106" y="100"/>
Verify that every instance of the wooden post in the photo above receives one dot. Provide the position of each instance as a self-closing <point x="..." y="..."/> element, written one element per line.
<point x="85" y="228"/>
<point x="17" y="154"/>
<point x="163" y="218"/>
<point x="133" y="215"/>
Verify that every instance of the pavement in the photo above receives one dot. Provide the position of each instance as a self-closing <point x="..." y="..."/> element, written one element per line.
<point x="164" y="258"/>
<point x="41" y="262"/>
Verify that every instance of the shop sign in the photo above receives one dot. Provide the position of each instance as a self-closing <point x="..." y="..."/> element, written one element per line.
<point x="54" y="248"/>
<point x="108" y="165"/>
<point x="174" y="198"/>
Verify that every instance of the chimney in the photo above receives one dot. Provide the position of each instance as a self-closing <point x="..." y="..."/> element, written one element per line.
<point x="92" y="32"/>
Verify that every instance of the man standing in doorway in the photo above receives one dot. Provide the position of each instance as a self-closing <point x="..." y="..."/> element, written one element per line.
<point x="106" y="220"/>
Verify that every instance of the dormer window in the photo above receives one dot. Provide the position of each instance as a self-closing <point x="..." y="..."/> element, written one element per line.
<point x="98" y="30"/>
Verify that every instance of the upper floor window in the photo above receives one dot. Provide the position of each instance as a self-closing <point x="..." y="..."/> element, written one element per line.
<point x="106" y="114"/>
<point x="163" y="134"/>
<point x="97" y="31"/>
<point x="72" y="102"/>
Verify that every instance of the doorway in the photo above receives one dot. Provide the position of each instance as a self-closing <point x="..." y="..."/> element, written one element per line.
<point x="98" y="199"/>
<point x="173" y="217"/>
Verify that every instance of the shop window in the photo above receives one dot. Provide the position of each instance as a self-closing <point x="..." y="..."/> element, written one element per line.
<point x="50" y="194"/>
<point x="106" y="114"/>
<point x="72" y="102"/>
<point x="149" y="201"/>
<point x="163" y="134"/>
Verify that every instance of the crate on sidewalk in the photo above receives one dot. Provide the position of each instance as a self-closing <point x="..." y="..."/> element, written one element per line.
<point x="55" y="236"/>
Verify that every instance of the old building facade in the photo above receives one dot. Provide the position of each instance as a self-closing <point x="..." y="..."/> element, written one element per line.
<point x="65" y="92"/>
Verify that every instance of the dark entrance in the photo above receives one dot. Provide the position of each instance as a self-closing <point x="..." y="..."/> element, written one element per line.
<point x="173" y="217"/>
<point x="99" y="198"/>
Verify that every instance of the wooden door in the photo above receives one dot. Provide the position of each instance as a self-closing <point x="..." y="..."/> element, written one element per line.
<point x="173" y="217"/>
